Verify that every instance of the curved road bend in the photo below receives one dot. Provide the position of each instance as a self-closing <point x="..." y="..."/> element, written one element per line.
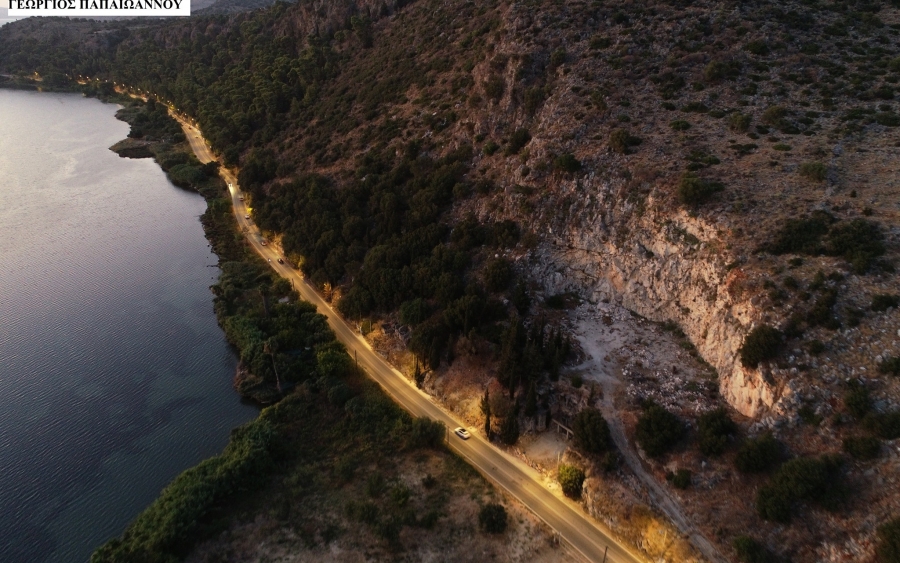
<point x="519" y="480"/>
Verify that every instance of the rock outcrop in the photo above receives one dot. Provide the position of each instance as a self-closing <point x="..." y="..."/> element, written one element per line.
<point x="664" y="266"/>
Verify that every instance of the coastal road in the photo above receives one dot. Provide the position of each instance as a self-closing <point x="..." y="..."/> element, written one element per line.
<point x="585" y="536"/>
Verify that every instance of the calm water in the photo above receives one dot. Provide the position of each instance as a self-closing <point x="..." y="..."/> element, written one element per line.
<point x="114" y="376"/>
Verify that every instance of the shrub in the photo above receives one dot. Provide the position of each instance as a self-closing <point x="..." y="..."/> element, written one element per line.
<point x="493" y="88"/>
<point x="490" y="148"/>
<point x="680" y="125"/>
<point x="761" y="344"/>
<point x="557" y="301"/>
<point x="571" y="479"/>
<point x="801" y="235"/>
<point x="802" y="479"/>
<point x="772" y="505"/>
<point x="695" y="107"/>
<point x="621" y="140"/>
<point x="693" y="190"/>
<point x="492" y="518"/>
<point x="739" y="122"/>
<point x="558" y="57"/>
<point x="884" y="301"/>
<point x="858" y="241"/>
<point x="427" y="433"/>
<point x="885" y="425"/>
<point x="658" y="430"/>
<point x="751" y="551"/>
<point x="599" y="42"/>
<point x="591" y="431"/>
<point x="757" y="47"/>
<point x="774" y="115"/>
<point x="759" y="455"/>
<point x="518" y="140"/>
<point x="813" y="171"/>
<point x="887" y="118"/>
<point x="857" y="400"/>
<point x="714" y="428"/>
<point x="816" y="347"/>
<point x="721" y="70"/>
<point x="863" y="448"/>
<point x="890" y="365"/>
<point x="821" y="313"/>
<point x="566" y="162"/>
<point x="888" y="548"/>
<point x="681" y="479"/>
<point x="533" y="98"/>
<point x="497" y="274"/>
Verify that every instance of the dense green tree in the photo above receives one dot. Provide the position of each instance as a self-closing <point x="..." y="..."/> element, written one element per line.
<point x="658" y="430"/>
<point x="802" y="479"/>
<point x="591" y="431"/>
<point x="571" y="479"/>
<point x="714" y="427"/>
<point x="509" y="427"/>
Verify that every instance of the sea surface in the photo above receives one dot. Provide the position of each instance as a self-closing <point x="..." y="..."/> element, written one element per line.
<point x="114" y="376"/>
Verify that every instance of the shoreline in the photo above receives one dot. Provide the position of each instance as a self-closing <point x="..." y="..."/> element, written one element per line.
<point x="499" y="467"/>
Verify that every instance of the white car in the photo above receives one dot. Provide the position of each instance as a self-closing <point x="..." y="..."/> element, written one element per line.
<point x="246" y="216"/>
<point x="462" y="433"/>
<point x="263" y="243"/>
<point x="240" y="198"/>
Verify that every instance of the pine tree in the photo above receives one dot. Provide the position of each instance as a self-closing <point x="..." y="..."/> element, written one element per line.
<point x="531" y="401"/>
<point x="419" y="375"/>
<point x="520" y="298"/>
<point x="486" y="411"/>
<point x="509" y="430"/>
<point x="510" y="355"/>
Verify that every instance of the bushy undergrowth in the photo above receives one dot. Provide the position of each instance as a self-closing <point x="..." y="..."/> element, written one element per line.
<point x="658" y="430"/>
<point x="759" y="455"/>
<point x="750" y="550"/>
<point x="859" y="241"/>
<point x="693" y="190"/>
<point x="817" y="480"/>
<point x="571" y="479"/>
<point x="761" y="344"/>
<point x="492" y="518"/>
<point x="714" y="428"/>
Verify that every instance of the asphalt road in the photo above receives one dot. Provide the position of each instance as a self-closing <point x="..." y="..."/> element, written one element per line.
<point x="567" y="518"/>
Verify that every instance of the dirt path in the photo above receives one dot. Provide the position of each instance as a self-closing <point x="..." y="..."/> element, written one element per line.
<point x="600" y="346"/>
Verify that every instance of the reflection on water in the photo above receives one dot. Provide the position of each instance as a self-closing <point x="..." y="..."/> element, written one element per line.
<point x="114" y="376"/>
